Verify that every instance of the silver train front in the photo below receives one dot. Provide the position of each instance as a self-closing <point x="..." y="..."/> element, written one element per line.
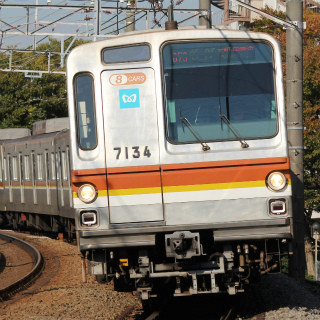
<point x="179" y="176"/>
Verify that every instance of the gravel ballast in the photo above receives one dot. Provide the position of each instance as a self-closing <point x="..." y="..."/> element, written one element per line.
<point x="60" y="293"/>
<point x="65" y="296"/>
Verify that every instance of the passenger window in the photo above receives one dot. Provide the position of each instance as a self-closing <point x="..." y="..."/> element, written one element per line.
<point x="64" y="166"/>
<point x="85" y="109"/>
<point x="21" y="167"/>
<point x="5" y="169"/>
<point x="68" y="163"/>
<point x="33" y="167"/>
<point x="39" y="167"/>
<point x="53" y="167"/>
<point x="9" y="169"/>
<point x="1" y="170"/>
<point x="58" y="165"/>
<point x="14" y="169"/>
<point x="46" y="165"/>
<point x="27" y="168"/>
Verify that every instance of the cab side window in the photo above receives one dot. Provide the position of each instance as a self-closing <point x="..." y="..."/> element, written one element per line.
<point x="85" y="111"/>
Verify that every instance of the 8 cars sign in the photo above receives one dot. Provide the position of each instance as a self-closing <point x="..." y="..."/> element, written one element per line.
<point x="127" y="78"/>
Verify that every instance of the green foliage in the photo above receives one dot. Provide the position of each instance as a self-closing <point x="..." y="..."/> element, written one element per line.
<point x="311" y="90"/>
<point x="25" y="100"/>
<point x="310" y="277"/>
<point x="284" y="262"/>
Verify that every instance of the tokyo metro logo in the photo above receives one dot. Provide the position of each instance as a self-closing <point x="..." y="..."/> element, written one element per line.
<point x="129" y="98"/>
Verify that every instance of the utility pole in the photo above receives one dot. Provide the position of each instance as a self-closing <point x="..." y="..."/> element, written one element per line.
<point x="205" y="13"/>
<point x="295" y="128"/>
<point x="97" y="16"/>
<point x="130" y="16"/>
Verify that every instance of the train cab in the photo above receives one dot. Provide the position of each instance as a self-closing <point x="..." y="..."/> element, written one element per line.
<point x="180" y="167"/>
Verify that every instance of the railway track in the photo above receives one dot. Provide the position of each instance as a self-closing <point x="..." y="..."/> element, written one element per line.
<point x="207" y="308"/>
<point x="22" y="270"/>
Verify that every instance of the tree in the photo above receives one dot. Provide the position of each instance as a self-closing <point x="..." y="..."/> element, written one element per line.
<point x="26" y="100"/>
<point x="311" y="91"/>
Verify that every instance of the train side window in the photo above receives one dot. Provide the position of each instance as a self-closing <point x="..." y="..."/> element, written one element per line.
<point x="1" y="170"/>
<point x="33" y="167"/>
<point x="5" y="169"/>
<point x="27" y="168"/>
<point x="39" y="167"/>
<point x="58" y="164"/>
<point x="64" y="166"/>
<point x="53" y="166"/>
<point x="47" y="166"/>
<point x="9" y="169"/>
<point x="14" y="169"/>
<point x="21" y="167"/>
<point x="85" y="111"/>
<point x="68" y="163"/>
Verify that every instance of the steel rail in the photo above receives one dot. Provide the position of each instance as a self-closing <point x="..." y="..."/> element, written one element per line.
<point x="6" y="293"/>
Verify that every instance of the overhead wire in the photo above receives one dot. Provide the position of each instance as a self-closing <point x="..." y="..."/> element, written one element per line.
<point x="155" y="6"/>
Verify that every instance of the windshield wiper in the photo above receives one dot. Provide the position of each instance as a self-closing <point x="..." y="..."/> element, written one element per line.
<point x="225" y="119"/>
<point x="194" y="132"/>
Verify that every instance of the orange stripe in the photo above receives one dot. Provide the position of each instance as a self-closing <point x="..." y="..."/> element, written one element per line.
<point x="134" y="180"/>
<point x="181" y="174"/>
<point x="100" y="181"/>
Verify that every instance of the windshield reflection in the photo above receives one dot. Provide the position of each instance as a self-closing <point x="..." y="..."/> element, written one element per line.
<point x="202" y="86"/>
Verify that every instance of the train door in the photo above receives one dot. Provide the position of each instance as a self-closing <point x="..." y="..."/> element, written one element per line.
<point x="132" y="146"/>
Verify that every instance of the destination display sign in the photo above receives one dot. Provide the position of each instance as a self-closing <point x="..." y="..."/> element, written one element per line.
<point x="204" y="53"/>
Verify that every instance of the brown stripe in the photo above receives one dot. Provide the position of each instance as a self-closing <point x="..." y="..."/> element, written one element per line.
<point x="133" y="169"/>
<point x="228" y="163"/>
<point x="88" y="172"/>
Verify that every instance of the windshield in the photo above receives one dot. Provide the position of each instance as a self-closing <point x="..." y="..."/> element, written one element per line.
<point x="205" y="82"/>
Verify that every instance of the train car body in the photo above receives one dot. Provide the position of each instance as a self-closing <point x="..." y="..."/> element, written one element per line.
<point x="180" y="168"/>
<point x="35" y="181"/>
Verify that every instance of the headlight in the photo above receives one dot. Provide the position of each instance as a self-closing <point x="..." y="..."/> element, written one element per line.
<point x="276" y="181"/>
<point x="87" y="193"/>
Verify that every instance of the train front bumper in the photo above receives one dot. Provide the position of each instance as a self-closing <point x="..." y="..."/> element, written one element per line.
<point x="280" y="228"/>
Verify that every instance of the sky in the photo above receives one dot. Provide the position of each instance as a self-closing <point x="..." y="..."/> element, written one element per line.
<point x="13" y="20"/>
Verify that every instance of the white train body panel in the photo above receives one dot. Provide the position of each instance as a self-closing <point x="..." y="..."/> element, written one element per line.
<point x="175" y="184"/>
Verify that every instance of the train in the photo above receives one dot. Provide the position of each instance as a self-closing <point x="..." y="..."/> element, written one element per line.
<point x="173" y="171"/>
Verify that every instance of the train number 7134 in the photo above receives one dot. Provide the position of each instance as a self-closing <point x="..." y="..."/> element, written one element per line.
<point x="132" y="152"/>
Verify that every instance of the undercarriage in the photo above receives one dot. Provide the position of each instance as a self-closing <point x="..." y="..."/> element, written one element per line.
<point x="186" y="263"/>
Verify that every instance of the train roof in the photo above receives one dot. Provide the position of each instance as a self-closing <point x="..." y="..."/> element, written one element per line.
<point x="14" y="133"/>
<point x="38" y="138"/>
<point x="190" y="31"/>
<point x="50" y="125"/>
<point x="42" y="130"/>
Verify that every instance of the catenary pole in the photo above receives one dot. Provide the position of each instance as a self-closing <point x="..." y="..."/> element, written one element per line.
<point x="130" y="16"/>
<point x="295" y="128"/>
<point x="97" y="16"/>
<point x="205" y="13"/>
